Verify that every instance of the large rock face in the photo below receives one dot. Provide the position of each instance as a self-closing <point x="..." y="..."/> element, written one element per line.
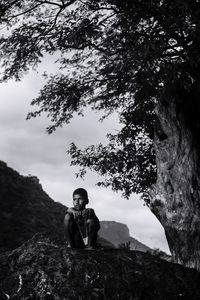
<point x="118" y="234"/>
<point x="43" y="270"/>
<point x="25" y="209"/>
<point x="176" y="196"/>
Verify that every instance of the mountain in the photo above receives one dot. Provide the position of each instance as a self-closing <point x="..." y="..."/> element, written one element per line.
<point x="118" y="234"/>
<point x="25" y="209"/>
<point x="41" y="269"/>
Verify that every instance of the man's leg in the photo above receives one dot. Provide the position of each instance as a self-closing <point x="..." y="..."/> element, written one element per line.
<point x="92" y="233"/>
<point x="72" y="233"/>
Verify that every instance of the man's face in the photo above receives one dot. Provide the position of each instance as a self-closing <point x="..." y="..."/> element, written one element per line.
<point x="79" y="202"/>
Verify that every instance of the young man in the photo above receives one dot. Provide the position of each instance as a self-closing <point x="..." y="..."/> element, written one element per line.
<point x="80" y="223"/>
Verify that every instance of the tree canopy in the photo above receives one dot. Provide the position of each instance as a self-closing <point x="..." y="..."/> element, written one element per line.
<point x="111" y="55"/>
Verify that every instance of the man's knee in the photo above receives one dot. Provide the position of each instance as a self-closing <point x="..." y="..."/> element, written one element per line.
<point x="91" y="223"/>
<point x="68" y="219"/>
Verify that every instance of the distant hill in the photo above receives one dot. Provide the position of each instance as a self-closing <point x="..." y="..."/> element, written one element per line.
<point x="118" y="234"/>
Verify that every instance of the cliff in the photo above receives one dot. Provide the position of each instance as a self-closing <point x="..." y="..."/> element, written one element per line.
<point x="25" y="209"/>
<point x="41" y="269"/>
<point x="118" y="234"/>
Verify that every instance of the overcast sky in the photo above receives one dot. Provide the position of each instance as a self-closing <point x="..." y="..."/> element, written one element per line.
<point x="26" y="147"/>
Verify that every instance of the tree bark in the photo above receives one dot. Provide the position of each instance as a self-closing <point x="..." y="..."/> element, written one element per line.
<point x="175" y="199"/>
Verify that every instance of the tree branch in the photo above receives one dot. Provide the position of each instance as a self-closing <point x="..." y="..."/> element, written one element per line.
<point x="24" y="12"/>
<point x="49" y="2"/>
<point x="101" y="8"/>
<point x="61" y="7"/>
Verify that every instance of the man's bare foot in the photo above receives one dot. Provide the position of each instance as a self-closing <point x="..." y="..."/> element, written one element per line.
<point x="90" y="247"/>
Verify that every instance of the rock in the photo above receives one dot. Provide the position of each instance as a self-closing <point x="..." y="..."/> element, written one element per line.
<point x="41" y="269"/>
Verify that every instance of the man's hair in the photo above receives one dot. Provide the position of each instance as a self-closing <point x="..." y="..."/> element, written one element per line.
<point x="83" y="193"/>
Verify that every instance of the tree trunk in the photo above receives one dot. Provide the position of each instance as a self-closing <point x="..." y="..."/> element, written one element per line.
<point x="175" y="199"/>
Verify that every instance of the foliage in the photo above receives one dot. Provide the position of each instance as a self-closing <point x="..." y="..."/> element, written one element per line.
<point x="115" y="56"/>
<point x="157" y="253"/>
<point x="126" y="245"/>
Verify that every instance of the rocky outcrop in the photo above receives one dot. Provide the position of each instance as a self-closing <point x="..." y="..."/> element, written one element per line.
<point x="41" y="269"/>
<point x="25" y="209"/>
<point x="175" y="200"/>
<point x="118" y="234"/>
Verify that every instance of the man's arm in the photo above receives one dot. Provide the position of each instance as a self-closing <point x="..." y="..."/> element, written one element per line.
<point x="72" y="211"/>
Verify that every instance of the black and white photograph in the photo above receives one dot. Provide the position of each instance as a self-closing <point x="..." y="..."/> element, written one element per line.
<point x="99" y="149"/>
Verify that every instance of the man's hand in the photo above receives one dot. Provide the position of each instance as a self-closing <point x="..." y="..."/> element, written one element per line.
<point x="87" y="213"/>
<point x="75" y="213"/>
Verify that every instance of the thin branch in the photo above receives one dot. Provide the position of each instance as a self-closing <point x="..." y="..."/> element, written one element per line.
<point x="49" y="2"/>
<point x="97" y="47"/>
<point x="109" y="8"/>
<point x="24" y="12"/>
<point x="101" y="8"/>
<point x="9" y="6"/>
<point x="105" y="19"/>
<point x="61" y="6"/>
<point x="56" y="17"/>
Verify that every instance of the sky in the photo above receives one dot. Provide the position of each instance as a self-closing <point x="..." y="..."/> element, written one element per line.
<point x="26" y="147"/>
